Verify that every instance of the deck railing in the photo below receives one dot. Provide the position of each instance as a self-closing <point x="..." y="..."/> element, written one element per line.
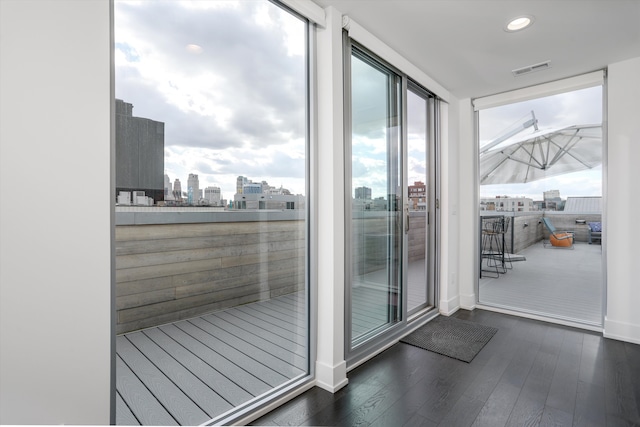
<point x="526" y="228"/>
<point x="173" y="265"/>
<point x="176" y="265"/>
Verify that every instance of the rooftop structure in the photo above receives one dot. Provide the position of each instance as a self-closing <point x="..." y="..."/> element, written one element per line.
<point x="139" y="153"/>
<point x="583" y="204"/>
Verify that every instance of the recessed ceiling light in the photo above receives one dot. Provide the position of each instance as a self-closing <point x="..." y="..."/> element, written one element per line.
<point x="519" y="23"/>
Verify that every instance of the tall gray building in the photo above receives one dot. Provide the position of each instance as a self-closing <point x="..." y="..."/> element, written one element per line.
<point x="139" y="153"/>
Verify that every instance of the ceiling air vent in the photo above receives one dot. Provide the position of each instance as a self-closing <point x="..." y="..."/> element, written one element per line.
<point x="531" y="68"/>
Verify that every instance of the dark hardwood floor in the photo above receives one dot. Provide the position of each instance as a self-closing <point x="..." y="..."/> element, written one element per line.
<point x="531" y="373"/>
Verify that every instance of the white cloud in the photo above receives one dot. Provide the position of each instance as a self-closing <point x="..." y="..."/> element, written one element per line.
<point x="234" y="106"/>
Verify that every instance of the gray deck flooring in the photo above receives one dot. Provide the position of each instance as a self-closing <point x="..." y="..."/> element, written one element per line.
<point x="189" y="372"/>
<point x="557" y="283"/>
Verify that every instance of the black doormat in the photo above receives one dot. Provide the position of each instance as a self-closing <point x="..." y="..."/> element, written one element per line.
<point x="451" y="337"/>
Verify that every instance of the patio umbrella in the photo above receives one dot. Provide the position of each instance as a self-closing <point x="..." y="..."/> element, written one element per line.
<point x="542" y="154"/>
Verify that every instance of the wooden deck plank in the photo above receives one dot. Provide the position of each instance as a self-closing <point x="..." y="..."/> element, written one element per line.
<point x="245" y="380"/>
<point x="286" y="317"/>
<point x="257" y="352"/>
<point x="253" y="367"/>
<point x="258" y="330"/>
<point x="229" y="390"/>
<point x="280" y="331"/>
<point x="210" y="364"/>
<point x="273" y="318"/>
<point x="142" y="403"/>
<point x="287" y="314"/>
<point x="287" y="307"/>
<point x="270" y="320"/>
<point x="124" y="416"/>
<point x="260" y="340"/>
<point x="203" y="396"/>
<point x="183" y="409"/>
<point x="297" y="300"/>
<point x="370" y="314"/>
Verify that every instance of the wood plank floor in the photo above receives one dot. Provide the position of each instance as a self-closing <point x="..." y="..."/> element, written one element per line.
<point x="531" y="373"/>
<point x="189" y="372"/>
<point x="559" y="283"/>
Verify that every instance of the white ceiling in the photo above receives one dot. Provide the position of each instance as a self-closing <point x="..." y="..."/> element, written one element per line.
<point x="462" y="45"/>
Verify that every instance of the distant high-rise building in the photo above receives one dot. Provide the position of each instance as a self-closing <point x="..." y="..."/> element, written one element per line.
<point x="240" y="183"/>
<point x="139" y="153"/>
<point x="363" y="193"/>
<point x="552" y="200"/>
<point x="177" y="190"/>
<point x="167" y="188"/>
<point x="418" y="196"/>
<point x="213" y="195"/>
<point x="551" y="194"/>
<point x="252" y="188"/>
<point x="254" y="195"/>
<point x="193" y="189"/>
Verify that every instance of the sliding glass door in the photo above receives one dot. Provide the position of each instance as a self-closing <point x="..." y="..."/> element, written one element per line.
<point x="390" y="134"/>
<point x="419" y="167"/>
<point x="376" y="198"/>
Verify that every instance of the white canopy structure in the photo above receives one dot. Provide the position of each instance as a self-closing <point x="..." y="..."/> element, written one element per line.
<point x="542" y="154"/>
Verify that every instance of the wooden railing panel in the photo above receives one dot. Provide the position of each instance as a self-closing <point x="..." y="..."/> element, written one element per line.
<point x="169" y="272"/>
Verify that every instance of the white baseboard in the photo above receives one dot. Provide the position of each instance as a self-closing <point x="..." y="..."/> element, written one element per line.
<point x="450" y="306"/>
<point x="331" y="378"/>
<point x="621" y="331"/>
<point x="539" y="317"/>
<point x="468" y="301"/>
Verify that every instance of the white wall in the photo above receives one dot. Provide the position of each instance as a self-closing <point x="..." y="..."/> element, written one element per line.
<point x="331" y="367"/>
<point x="55" y="257"/>
<point x="449" y="301"/>
<point x="467" y="187"/>
<point x="621" y="230"/>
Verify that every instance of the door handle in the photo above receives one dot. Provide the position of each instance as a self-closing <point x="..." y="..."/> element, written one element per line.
<point x="406" y="224"/>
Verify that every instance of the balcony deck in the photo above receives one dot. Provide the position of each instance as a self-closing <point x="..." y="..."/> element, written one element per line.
<point x="191" y="371"/>
<point x="558" y="283"/>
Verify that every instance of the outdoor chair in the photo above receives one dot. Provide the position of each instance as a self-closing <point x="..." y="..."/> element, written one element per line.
<point x="558" y="239"/>
<point x="493" y="230"/>
<point x="595" y="231"/>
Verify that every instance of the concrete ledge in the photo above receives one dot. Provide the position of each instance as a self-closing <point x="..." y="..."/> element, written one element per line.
<point x="133" y="215"/>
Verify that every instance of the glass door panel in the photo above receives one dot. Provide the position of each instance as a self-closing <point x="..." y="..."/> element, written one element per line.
<point x="376" y="222"/>
<point x="417" y="226"/>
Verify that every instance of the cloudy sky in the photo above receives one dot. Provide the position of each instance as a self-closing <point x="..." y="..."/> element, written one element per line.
<point x="228" y="80"/>
<point x="370" y="154"/>
<point x="573" y="108"/>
